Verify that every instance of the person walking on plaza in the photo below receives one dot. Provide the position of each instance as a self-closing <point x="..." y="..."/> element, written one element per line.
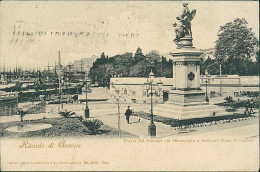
<point x="251" y="105"/>
<point x="128" y="113"/>
<point x="247" y="107"/>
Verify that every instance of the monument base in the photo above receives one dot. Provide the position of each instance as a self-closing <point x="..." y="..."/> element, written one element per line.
<point x="188" y="104"/>
<point x="187" y="98"/>
<point x="181" y="111"/>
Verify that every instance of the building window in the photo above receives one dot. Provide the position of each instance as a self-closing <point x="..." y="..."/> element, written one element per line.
<point x="125" y="92"/>
<point x="117" y="91"/>
<point x="133" y="93"/>
<point x="144" y="93"/>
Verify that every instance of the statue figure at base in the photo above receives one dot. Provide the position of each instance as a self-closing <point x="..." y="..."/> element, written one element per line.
<point x="183" y="25"/>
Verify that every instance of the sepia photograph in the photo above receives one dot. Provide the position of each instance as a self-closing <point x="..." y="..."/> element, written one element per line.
<point x="129" y="85"/>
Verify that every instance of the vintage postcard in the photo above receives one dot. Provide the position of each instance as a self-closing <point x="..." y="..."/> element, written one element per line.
<point x="129" y="85"/>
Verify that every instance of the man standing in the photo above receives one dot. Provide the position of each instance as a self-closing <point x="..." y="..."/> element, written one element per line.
<point x="128" y="113"/>
<point x="251" y="105"/>
<point x="247" y="107"/>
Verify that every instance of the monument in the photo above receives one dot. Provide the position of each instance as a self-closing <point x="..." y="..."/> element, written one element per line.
<point x="186" y="63"/>
<point x="186" y="99"/>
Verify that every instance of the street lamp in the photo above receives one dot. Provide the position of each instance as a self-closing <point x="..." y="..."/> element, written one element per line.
<point x="118" y="108"/>
<point x="117" y="97"/>
<point x="206" y="73"/>
<point x="87" y="90"/>
<point x="151" y="127"/>
<point x="220" y="81"/>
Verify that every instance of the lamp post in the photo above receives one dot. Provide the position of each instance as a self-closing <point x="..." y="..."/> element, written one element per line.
<point x="117" y="98"/>
<point x="87" y="89"/>
<point x="206" y="73"/>
<point x="151" y="127"/>
<point x="118" y="108"/>
<point x="220" y="81"/>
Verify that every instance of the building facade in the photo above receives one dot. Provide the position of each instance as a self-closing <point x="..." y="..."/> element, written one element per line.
<point x="229" y="85"/>
<point x="82" y="65"/>
<point x="138" y="90"/>
<point x="8" y="103"/>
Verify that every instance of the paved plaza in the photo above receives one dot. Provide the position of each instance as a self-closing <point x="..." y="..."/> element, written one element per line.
<point x="108" y="114"/>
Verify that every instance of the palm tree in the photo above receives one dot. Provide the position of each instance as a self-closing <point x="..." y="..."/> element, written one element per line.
<point x="21" y="113"/>
<point x="93" y="125"/>
<point x="66" y="114"/>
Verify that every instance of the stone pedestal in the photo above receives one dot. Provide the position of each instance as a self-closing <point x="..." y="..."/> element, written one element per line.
<point x="186" y="69"/>
<point x="186" y="77"/>
<point x="186" y="99"/>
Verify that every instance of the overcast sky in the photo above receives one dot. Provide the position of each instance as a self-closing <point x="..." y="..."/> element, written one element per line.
<point x="103" y="26"/>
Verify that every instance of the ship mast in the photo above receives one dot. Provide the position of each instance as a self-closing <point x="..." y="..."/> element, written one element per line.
<point x="60" y="82"/>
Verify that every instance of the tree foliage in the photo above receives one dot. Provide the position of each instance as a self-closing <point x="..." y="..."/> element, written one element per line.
<point x="67" y="114"/>
<point x="93" y="126"/>
<point x="139" y="56"/>
<point x="211" y="65"/>
<point x="235" y="47"/>
<point x="127" y="65"/>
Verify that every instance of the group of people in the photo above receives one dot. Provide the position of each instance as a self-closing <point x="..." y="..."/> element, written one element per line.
<point x="254" y="94"/>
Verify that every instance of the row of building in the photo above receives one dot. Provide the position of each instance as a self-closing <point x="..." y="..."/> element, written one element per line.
<point x="8" y="103"/>
<point x="137" y="90"/>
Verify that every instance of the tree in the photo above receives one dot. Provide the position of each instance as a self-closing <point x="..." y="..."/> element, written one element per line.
<point x="122" y="64"/>
<point x="102" y="74"/>
<point x="93" y="126"/>
<point x="125" y="65"/>
<point x="166" y="68"/>
<point x="67" y="114"/>
<point x="101" y="60"/>
<point x="211" y="65"/>
<point x="153" y="56"/>
<point x="139" y="56"/>
<point x="235" y="47"/>
<point x="141" y="69"/>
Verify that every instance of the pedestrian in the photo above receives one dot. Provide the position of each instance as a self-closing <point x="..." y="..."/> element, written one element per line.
<point x="128" y="113"/>
<point x="251" y="105"/>
<point x="247" y="106"/>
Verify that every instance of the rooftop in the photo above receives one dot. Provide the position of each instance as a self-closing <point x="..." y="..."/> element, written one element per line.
<point x="138" y="80"/>
<point x="8" y="95"/>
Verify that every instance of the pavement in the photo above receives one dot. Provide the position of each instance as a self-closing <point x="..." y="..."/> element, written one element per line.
<point x="29" y="117"/>
<point x="136" y="127"/>
<point x="108" y="114"/>
<point x="245" y="131"/>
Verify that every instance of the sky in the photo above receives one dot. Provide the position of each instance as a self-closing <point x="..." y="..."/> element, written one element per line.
<point x="32" y="33"/>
